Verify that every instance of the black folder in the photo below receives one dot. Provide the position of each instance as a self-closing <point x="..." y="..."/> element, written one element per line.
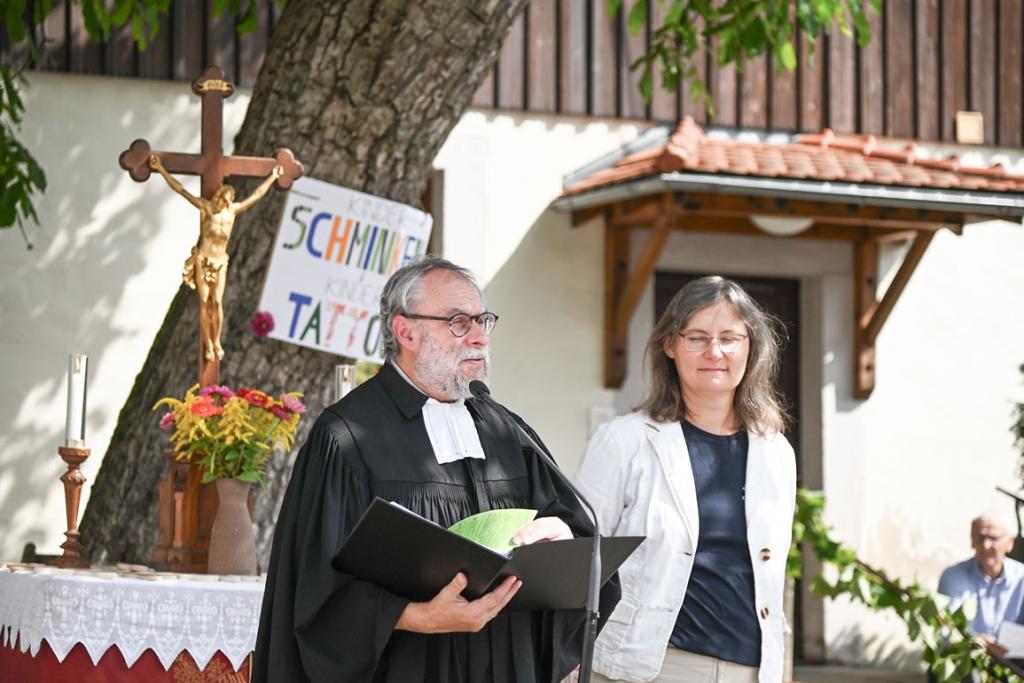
<point x="415" y="558"/>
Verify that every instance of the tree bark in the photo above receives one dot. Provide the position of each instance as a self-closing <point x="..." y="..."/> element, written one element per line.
<point x="364" y="92"/>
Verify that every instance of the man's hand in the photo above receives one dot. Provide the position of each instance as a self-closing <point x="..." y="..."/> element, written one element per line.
<point x="449" y="612"/>
<point x="997" y="648"/>
<point x="543" y="529"/>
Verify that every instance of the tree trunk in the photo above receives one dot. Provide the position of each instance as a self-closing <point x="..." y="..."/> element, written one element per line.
<point x="364" y="92"/>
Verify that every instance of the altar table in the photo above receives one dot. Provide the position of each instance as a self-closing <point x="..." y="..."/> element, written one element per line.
<point x="82" y="626"/>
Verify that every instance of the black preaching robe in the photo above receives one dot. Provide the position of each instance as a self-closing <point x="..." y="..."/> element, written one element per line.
<point x="318" y="624"/>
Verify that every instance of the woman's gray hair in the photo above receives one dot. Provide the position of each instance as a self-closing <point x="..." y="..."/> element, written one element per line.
<point x="402" y="291"/>
<point x="757" y="402"/>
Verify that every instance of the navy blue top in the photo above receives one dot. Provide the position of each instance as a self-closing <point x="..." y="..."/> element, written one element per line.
<point x="718" y="617"/>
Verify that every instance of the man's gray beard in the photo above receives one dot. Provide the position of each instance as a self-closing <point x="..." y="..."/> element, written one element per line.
<point x="440" y="372"/>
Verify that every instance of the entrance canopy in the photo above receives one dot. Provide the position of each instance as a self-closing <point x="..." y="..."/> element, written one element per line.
<point x="861" y="189"/>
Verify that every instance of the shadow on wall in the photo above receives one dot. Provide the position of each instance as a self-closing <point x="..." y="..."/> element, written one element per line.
<point x="547" y="348"/>
<point x="80" y="288"/>
<point x="883" y="652"/>
<point x="920" y="554"/>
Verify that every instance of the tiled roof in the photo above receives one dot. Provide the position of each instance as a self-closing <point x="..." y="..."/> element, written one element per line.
<point x="824" y="156"/>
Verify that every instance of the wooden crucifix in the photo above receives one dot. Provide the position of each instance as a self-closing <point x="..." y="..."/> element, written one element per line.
<point x="206" y="269"/>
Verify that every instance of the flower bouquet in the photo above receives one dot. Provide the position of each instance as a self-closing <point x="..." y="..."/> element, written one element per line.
<point x="231" y="435"/>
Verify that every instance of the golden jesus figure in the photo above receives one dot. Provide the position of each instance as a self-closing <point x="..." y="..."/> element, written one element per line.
<point x="206" y="270"/>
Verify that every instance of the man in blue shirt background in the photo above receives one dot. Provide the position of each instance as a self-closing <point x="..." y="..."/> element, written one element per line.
<point x="994" y="581"/>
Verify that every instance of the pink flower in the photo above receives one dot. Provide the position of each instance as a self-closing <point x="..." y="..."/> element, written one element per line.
<point x="262" y="323"/>
<point x="293" y="404"/>
<point x="167" y="422"/>
<point x="280" y="412"/>
<point x="216" y="390"/>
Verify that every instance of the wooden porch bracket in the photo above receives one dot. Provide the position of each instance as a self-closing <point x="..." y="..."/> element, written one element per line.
<point x="870" y="313"/>
<point x="624" y="289"/>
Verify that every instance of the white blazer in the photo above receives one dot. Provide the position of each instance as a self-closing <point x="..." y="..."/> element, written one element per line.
<point x="636" y="473"/>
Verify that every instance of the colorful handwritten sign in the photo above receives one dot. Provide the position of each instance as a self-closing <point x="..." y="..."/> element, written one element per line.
<point x="334" y="251"/>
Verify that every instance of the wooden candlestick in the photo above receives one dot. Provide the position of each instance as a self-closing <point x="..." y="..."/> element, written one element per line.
<point x="73" y="480"/>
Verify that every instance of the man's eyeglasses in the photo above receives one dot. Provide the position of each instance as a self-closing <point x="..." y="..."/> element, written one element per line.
<point x="460" y="323"/>
<point x="698" y="343"/>
<point x="991" y="538"/>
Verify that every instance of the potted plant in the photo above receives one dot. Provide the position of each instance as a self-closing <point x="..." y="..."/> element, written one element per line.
<point x="231" y="436"/>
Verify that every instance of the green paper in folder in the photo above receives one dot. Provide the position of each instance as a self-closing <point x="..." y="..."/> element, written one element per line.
<point x="494" y="529"/>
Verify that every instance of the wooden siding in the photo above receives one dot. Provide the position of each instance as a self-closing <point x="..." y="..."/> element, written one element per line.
<point x="927" y="59"/>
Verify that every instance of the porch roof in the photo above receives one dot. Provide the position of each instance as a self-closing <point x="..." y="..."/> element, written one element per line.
<point x="823" y="167"/>
<point x="861" y="189"/>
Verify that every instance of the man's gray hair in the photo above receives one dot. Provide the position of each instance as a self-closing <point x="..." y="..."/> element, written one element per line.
<point x="994" y="516"/>
<point x="403" y="289"/>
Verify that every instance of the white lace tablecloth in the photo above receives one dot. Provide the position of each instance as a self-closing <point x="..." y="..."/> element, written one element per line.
<point x="104" y="610"/>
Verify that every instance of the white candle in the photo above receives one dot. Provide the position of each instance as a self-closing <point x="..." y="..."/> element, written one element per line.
<point x="74" y="430"/>
<point x="344" y="380"/>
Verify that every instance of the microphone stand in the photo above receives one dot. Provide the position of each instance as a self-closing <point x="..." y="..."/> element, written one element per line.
<point x="483" y="393"/>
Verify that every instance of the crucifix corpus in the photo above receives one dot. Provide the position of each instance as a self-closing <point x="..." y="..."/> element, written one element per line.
<point x="206" y="269"/>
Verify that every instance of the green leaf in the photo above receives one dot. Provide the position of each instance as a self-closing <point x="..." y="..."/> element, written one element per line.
<point x="122" y="11"/>
<point x="845" y="556"/>
<point x="930" y="610"/>
<point x="645" y="84"/>
<point x="7" y="210"/>
<point x="138" y="31"/>
<point x="963" y="668"/>
<point x="14" y="14"/>
<point x="248" y="22"/>
<point x="36" y="175"/>
<point x="670" y="78"/>
<point x="786" y="56"/>
<point x="674" y="14"/>
<point x="860" y="22"/>
<point x="637" y="17"/>
<point x="822" y="587"/>
<point x="754" y="38"/>
<point x="613" y="7"/>
<point x="250" y="476"/>
<point x="42" y="10"/>
<point x="944" y="669"/>
<point x="93" y="25"/>
<point x="844" y="25"/>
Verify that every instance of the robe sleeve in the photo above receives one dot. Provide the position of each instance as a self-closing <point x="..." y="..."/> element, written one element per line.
<point x="563" y="630"/>
<point x="318" y="624"/>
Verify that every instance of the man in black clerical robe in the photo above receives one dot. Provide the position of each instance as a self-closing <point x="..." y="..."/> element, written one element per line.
<point x="383" y="440"/>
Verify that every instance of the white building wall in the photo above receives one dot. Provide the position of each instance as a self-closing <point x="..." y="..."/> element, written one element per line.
<point x="543" y="277"/>
<point x="904" y="471"/>
<point x="106" y="264"/>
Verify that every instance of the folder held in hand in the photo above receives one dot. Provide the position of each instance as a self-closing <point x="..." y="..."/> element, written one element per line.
<point x="415" y="558"/>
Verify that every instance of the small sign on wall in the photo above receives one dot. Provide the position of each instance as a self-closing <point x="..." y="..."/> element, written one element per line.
<point x="970" y="128"/>
<point x="335" y="249"/>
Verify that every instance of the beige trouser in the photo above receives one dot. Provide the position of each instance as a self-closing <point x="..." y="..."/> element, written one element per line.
<point x="685" y="667"/>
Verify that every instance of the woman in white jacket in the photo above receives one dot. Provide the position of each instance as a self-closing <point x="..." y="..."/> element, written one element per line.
<point x="704" y="472"/>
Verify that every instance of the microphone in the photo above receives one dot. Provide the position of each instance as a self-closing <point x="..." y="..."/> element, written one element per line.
<point x="482" y="393"/>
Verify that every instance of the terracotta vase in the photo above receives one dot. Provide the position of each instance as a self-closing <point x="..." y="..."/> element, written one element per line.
<point x="232" y="542"/>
